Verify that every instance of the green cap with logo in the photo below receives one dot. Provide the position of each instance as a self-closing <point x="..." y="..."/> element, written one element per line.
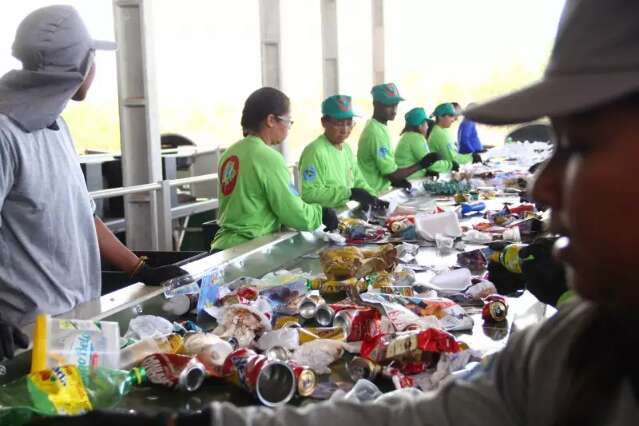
<point x="416" y="117"/>
<point x="444" y="109"/>
<point x="386" y="94"/>
<point x="338" y="107"/>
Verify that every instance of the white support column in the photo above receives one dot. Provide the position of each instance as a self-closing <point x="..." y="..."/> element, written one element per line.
<point x="330" y="42"/>
<point x="271" y="49"/>
<point x="377" y="7"/>
<point x="139" y="131"/>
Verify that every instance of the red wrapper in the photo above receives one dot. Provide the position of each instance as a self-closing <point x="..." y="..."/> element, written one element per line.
<point x="359" y="324"/>
<point x="391" y="346"/>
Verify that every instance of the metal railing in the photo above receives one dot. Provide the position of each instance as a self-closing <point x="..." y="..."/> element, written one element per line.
<point x="161" y="212"/>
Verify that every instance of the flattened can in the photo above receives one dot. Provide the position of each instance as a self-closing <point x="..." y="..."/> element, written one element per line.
<point x="305" y="378"/>
<point x="324" y="315"/>
<point x="308" y="306"/>
<point x="272" y="382"/>
<point x="174" y="371"/>
<point x="362" y="368"/>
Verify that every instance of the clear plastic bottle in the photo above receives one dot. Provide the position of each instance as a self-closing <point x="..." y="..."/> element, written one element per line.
<point x="131" y="355"/>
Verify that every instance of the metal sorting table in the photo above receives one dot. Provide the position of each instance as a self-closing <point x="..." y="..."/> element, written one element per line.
<point x="287" y="250"/>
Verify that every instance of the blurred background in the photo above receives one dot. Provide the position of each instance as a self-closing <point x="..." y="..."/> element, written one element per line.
<point x="208" y="61"/>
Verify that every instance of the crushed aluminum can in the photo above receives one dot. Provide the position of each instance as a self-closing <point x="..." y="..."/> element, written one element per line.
<point x="308" y="306"/>
<point x="324" y="315"/>
<point x="359" y="324"/>
<point x="495" y="308"/>
<point x="305" y="378"/>
<point x="276" y="353"/>
<point x="362" y="368"/>
<point x="174" y="371"/>
<point x="272" y="382"/>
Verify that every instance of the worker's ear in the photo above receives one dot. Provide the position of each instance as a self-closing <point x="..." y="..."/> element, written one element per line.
<point x="270" y="121"/>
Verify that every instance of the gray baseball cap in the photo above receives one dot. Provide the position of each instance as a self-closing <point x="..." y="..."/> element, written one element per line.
<point x="595" y="60"/>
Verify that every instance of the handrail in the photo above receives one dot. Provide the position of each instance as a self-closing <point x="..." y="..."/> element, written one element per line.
<point x="125" y="190"/>
<point x="193" y="179"/>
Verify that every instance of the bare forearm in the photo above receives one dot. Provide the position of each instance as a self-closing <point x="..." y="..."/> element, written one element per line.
<point x="112" y="250"/>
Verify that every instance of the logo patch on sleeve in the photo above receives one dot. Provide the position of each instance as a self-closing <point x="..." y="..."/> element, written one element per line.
<point x="310" y="173"/>
<point x="230" y="170"/>
<point x="383" y="151"/>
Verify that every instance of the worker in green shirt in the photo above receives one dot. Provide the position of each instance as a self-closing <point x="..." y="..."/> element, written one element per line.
<point x="442" y="139"/>
<point x="256" y="194"/>
<point x="412" y="146"/>
<point x="330" y="175"/>
<point x="374" y="152"/>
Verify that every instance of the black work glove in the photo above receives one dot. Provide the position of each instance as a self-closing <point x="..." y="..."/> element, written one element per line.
<point x="11" y="338"/>
<point x="429" y="159"/>
<point x="455" y="166"/>
<point x="363" y="197"/>
<point x="329" y="219"/>
<point x="156" y="276"/>
<point x="430" y="173"/>
<point x="380" y="204"/>
<point x="403" y="183"/>
<point x="545" y="278"/>
<point x="477" y="158"/>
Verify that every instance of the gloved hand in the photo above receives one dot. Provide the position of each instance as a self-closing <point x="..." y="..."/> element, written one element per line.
<point x="429" y="159"/>
<point x="363" y="197"/>
<point x="11" y="337"/>
<point x="545" y="278"/>
<point x="381" y="204"/>
<point x="455" y="166"/>
<point x="156" y="276"/>
<point x="506" y="282"/>
<point x="477" y="158"/>
<point x="430" y="173"/>
<point x="329" y="219"/>
<point x="404" y="183"/>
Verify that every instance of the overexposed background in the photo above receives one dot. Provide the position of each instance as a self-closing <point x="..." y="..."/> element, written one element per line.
<point x="208" y="60"/>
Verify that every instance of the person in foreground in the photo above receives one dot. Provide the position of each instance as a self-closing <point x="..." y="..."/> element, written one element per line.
<point x="579" y="367"/>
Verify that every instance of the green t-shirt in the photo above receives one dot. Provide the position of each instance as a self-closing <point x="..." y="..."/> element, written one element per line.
<point x="375" y="156"/>
<point x="442" y="141"/>
<point x="329" y="173"/>
<point x="257" y="196"/>
<point x="412" y="147"/>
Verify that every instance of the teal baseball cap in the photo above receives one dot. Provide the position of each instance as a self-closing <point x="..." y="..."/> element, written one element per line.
<point x="444" y="109"/>
<point x="386" y="94"/>
<point x="338" y="107"/>
<point x="416" y="117"/>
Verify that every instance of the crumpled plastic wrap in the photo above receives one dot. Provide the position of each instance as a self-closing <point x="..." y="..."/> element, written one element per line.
<point x="341" y="263"/>
<point x="148" y="326"/>
<point x="287" y="337"/>
<point x="319" y="354"/>
<point x="243" y="322"/>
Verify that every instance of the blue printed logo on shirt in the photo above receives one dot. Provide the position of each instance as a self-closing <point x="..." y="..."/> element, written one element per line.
<point x="310" y="173"/>
<point x="383" y="151"/>
<point x="293" y="190"/>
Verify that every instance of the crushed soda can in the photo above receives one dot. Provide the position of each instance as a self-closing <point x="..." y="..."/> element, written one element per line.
<point x="174" y="371"/>
<point x="309" y="334"/>
<point x="495" y="308"/>
<point x="284" y="321"/>
<point x="305" y="378"/>
<point x="308" y="306"/>
<point x="359" y="324"/>
<point x="272" y="382"/>
<point x="324" y="315"/>
<point x="362" y="368"/>
<point x="276" y="353"/>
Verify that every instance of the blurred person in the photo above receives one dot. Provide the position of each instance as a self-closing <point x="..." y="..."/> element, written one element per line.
<point x="579" y="367"/>
<point x="256" y="193"/>
<point x="374" y="151"/>
<point x="442" y="141"/>
<point x="467" y="136"/>
<point x="412" y="145"/>
<point x="330" y="174"/>
<point x="51" y="242"/>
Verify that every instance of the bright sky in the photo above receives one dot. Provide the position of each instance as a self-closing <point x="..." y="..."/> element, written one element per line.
<point x="208" y="57"/>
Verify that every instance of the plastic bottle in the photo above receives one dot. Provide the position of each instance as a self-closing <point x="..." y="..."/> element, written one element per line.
<point x="65" y="390"/>
<point x="509" y="258"/>
<point x="84" y="343"/>
<point x="135" y="353"/>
